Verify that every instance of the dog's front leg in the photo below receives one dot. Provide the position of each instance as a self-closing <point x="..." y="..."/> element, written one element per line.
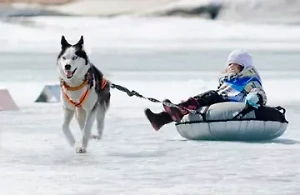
<point x="68" y="115"/>
<point x="90" y="118"/>
<point x="81" y="117"/>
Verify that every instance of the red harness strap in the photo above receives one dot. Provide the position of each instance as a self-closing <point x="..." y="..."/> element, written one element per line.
<point x="103" y="83"/>
<point x="82" y="98"/>
<point x="85" y="94"/>
<point x="69" y="88"/>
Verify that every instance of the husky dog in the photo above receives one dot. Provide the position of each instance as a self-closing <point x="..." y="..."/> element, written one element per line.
<point x="84" y="92"/>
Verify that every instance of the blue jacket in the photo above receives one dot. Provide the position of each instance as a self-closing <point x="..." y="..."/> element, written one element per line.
<point x="237" y="87"/>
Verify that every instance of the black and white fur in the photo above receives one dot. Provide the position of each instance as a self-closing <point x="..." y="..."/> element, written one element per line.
<point x="73" y="65"/>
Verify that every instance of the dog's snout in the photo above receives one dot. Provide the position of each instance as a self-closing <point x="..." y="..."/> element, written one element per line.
<point x="68" y="67"/>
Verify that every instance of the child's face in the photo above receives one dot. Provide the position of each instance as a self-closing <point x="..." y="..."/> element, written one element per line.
<point x="234" y="68"/>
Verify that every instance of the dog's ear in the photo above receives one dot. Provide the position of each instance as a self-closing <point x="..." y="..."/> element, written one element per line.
<point x="80" y="42"/>
<point x="64" y="43"/>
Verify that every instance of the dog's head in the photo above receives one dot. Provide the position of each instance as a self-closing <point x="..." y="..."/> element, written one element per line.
<point x="72" y="60"/>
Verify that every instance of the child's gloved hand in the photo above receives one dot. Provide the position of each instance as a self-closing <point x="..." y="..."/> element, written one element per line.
<point x="254" y="100"/>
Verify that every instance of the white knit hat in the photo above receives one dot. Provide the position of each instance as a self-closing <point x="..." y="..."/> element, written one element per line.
<point x="241" y="57"/>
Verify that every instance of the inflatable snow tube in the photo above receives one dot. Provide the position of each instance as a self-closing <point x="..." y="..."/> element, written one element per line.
<point x="217" y="122"/>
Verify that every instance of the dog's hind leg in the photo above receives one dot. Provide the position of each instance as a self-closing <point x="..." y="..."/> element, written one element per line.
<point x="87" y="130"/>
<point x="101" y="111"/>
<point x="68" y="115"/>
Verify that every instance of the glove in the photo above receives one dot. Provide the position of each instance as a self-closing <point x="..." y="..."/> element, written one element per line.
<point x="253" y="100"/>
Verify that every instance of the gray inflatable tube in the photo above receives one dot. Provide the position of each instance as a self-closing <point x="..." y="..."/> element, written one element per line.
<point x="216" y="123"/>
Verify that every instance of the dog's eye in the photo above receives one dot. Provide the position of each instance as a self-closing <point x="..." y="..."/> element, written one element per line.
<point x="63" y="57"/>
<point x="74" y="57"/>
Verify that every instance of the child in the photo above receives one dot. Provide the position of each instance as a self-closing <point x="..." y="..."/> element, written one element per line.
<point x="240" y="82"/>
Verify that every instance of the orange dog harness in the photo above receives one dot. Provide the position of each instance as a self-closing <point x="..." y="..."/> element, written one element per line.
<point x="84" y="96"/>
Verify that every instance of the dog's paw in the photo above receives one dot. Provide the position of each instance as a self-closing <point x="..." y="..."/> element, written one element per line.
<point x="96" y="137"/>
<point x="80" y="150"/>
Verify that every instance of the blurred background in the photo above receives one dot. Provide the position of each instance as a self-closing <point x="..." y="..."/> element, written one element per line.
<point x="172" y="24"/>
<point x="259" y="11"/>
